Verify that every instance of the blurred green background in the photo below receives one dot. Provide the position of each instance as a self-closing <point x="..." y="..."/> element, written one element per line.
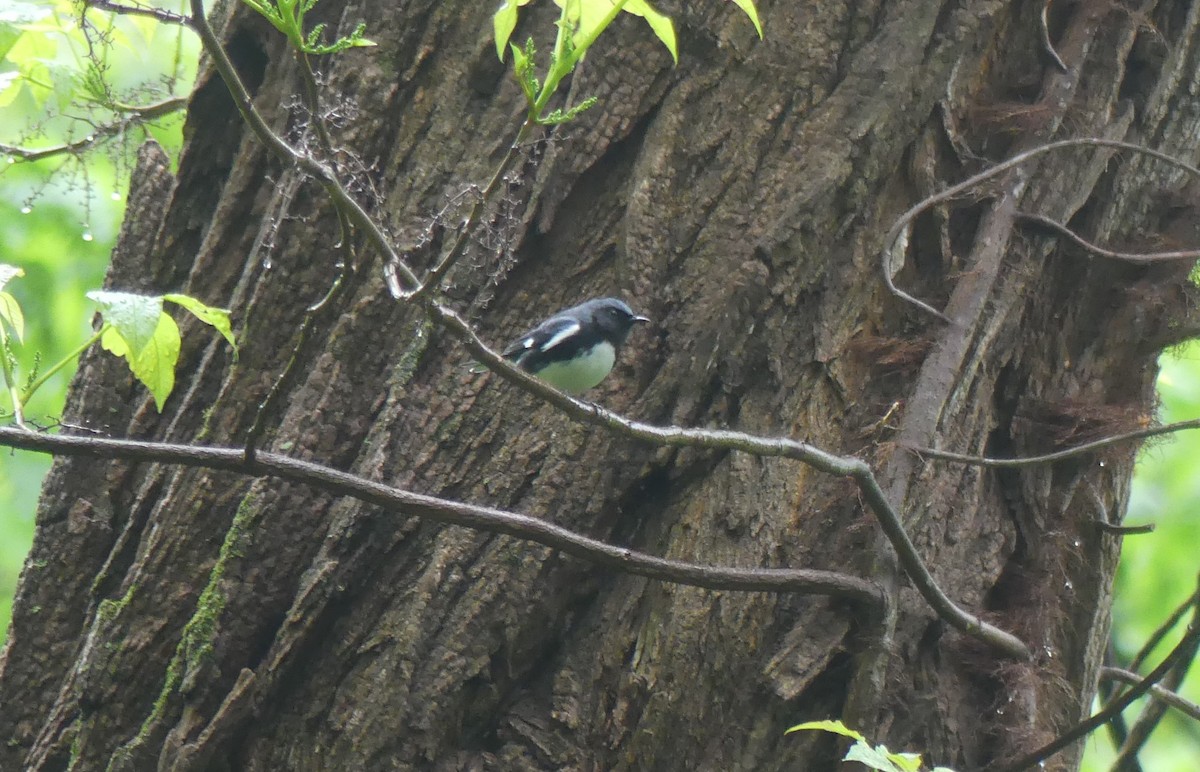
<point x="59" y="218"/>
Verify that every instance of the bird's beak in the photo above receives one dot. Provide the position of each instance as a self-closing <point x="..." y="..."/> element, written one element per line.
<point x="641" y="319"/>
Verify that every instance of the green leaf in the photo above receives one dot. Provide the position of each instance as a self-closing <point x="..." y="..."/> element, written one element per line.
<point x="10" y="313"/>
<point x="660" y="23"/>
<point x="504" y="21"/>
<point x="881" y="759"/>
<point x="134" y="317"/>
<point x="837" y="727"/>
<point x="218" y="318"/>
<point x="10" y="310"/>
<point x="748" y="8"/>
<point x="563" y="116"/>
<point x="112" y="342"/>
<point x="155" y="366"/>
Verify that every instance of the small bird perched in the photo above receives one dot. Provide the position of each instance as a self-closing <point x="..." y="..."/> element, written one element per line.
<point x="576" y="348"/>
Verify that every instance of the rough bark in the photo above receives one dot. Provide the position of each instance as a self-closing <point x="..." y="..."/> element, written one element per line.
<point x="197" y="620"/>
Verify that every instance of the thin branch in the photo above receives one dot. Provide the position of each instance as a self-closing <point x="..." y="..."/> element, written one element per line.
<point x="1159" y="634"/>
<point x="1078" y="450"/>
<point x="672" y="436"/>
<point x="328" y="304"/>
<point x="1104" y="523"/>
<point x="724" y="439"/>
<point x="534" y="529"/>
<point x="1031" y="760"/>
<point x="132" y="115"/>
<point x="1124" y="530"/>
<point x="439" y="271"/>
<point x="1128" y="257"/>
<point x="1117" y="727"/>
<point x="902" y="222"/>
<point x="1047" y="44"/>
<point x="158" y="14"/>
<point x="1184" y="706"/>
<point x="1151" y="715"/>
<point x="289" y="155"/>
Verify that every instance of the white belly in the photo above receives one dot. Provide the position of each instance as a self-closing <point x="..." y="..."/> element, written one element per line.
<point x="583" y="373"/>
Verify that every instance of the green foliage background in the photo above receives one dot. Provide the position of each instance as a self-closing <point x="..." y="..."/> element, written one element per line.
<point x="58" y="221"/>
<point x="59" y="216"/>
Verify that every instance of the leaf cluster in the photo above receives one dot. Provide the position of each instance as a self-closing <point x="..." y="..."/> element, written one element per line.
<point x="287" y="16"/>
<point x="580" y="23"/>
<point x="135" y="327"/>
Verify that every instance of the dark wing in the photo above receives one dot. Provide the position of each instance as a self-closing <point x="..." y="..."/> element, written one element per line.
<point x="542" y="339"/>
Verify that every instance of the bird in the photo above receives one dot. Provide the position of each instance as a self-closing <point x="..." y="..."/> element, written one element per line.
<point x="576" y="348"/>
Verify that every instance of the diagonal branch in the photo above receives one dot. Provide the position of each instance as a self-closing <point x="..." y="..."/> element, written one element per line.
<point x="1183" y="705"/>
<point x="1033" y="760"/>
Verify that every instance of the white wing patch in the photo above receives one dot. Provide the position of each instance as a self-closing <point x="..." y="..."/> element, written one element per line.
<point x="555" y="339"/>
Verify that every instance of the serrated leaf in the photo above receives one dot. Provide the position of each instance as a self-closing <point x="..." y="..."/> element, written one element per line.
<point x="217" y="318"/>
<point x="837" y="727"/>
<point x="660" y="23"/>
<point x="155" y="365"/>
<point x="10" y="313"/>
<point x="748" y="8"/>
<point x="135" y="317"/>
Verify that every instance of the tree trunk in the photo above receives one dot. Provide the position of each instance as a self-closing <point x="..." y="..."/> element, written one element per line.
<point x="197" y="619"/>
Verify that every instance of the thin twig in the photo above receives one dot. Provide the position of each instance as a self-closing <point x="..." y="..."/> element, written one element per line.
<point x="1124" y="530"/>
<point x="132" y="115"/>
<point x="1104" y="523"/>
<point x="1161" y="632"/>
<point x="1117" y="727"/>
<point x="456" y="251"/>
<point x="158" y="14"/>
<point x="1128" y="257"/>
<point x="1078" y="450"/>
<point x="1184" y="706"/>
<point x="534" y="529"/>
<point x="1152" y="714"/>
<point x="1047" y="44"/>
<point x="902" y="222"/>
<point x="1083" y="728"/>
<point x="342" y="198"/>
